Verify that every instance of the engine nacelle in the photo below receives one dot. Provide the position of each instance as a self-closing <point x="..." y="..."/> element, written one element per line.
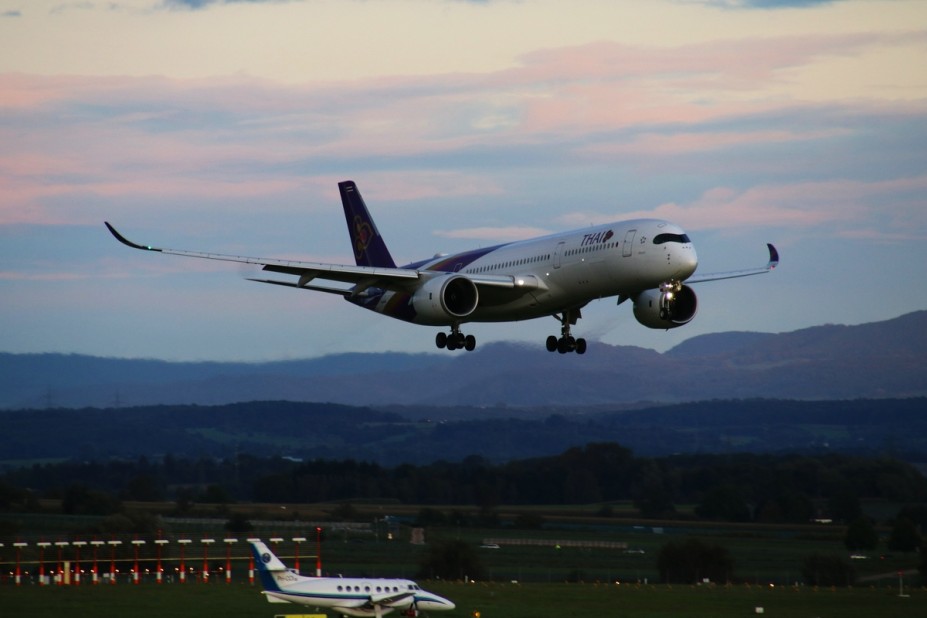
<point x="445" y="299"/>
<point x="677" y="310"/>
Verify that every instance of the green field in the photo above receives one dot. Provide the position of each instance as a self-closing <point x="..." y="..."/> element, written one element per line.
<point x="493" y="600"/>
<point x="767" y="566"/>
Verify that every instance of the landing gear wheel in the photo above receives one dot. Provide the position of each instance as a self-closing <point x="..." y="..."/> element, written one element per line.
<point x="566" y="342"/>
<point x="455" y="340"/>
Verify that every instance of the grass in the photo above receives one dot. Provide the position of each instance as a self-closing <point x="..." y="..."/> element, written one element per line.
<point x="491" y="600"/>
<point x="762" y="554"/>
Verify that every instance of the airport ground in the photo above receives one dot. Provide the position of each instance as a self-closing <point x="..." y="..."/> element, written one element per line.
<point x="533" y="580"/>
<point x="490" y="599"/>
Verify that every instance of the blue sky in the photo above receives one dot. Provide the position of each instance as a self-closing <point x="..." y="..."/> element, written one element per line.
<point x="225" y="126"/>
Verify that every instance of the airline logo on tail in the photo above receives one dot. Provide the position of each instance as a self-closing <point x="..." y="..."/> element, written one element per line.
<point x="363" y="234"/>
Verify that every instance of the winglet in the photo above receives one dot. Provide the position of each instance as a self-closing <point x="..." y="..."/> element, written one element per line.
<point x="126" y="241"/>
<point x="773" y="257"/>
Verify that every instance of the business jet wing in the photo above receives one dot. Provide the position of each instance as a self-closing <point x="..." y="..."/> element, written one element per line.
<point x="390" y="598"/>
<point x="367" y="276"/>
<point x="771" y="264"/>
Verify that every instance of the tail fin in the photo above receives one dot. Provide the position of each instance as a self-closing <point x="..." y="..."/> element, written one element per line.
<point x="271" y="570"/>
<point x="369" y="248"/>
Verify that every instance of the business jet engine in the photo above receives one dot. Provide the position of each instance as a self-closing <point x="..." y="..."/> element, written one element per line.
<point x="445" y="299"/>
<point x="669" y="306"/>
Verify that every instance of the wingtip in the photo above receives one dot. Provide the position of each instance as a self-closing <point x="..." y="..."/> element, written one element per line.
<point x="125" y="240"/>
<point x="773" y="256"/>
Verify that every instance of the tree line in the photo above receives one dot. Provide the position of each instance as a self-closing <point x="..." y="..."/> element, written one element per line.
<point x="742" y="487"/>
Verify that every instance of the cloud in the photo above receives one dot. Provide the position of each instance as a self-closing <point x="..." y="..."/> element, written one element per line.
<point x="713" y="124"/>
<point x="202" y="4"/>
<point x="845" y="208"/>
<point x="769" y="4"/>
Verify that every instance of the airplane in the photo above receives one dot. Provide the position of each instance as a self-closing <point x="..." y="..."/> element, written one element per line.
<point x="648" y="261"/>
<point x="349" y="596"/>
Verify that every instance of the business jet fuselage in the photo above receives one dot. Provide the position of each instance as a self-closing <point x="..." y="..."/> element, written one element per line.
<point x="649" y="261"/>
<point x="349" y="596"/>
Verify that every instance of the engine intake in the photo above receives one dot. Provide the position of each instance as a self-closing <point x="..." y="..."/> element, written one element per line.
<point x="675" y="311"/>
<point x="445" y="299"/>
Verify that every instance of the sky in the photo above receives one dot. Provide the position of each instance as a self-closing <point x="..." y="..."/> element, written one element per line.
<point x="224" y="126"/>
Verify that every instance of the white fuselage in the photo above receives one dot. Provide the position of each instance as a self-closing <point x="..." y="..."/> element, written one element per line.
<point x="352" y="596"/>
<point x="566" y="270"/>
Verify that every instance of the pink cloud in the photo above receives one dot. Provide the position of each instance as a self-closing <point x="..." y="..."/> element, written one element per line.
<point x="246" y="138"/>
<point x="848" y="207"/>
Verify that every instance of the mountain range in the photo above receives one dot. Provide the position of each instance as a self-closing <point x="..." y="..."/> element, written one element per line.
<point x="877" y="360"/>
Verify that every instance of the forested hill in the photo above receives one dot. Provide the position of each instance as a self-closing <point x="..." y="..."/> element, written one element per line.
<point x="421" y="435"/>
<point x="744" y="487"/>
<point x="884" y="359"/>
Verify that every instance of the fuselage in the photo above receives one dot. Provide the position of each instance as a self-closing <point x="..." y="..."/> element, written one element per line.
<point x="351" y="596"/>
<point x="565" y="270"/>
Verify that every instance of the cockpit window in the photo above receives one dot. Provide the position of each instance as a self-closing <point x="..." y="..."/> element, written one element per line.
<point x="659" y="239"/>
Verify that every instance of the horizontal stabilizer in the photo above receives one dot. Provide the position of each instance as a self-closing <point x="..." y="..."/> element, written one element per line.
<point x="315" y="288"/>
<point x="273" y="598"/>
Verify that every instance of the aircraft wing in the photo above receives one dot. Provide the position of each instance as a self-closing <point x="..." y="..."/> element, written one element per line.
<point x="362" y="277"/>
<point x="390" y="598"/>
<point x="772" y="263"/>
<point x="367" y="276"/>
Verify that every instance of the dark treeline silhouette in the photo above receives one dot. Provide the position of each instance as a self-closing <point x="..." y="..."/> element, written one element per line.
<point x="422" y="434"/>
<point x="743" y="487"/>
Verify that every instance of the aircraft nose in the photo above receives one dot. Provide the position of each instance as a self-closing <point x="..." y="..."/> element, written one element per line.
<point x="686" y="260"/>
<point x="435" y="603"/>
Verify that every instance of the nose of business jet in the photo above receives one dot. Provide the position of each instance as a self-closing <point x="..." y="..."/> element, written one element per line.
<point x="432" y="602"/>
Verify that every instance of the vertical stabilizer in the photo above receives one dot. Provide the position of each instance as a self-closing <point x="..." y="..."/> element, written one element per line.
<point x="369" y="248"/>
<point x="265" y="559"/>
<point x="275" y="576"/>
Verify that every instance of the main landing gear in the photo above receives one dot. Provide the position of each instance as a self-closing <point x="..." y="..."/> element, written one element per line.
<point x="455" y="340"/>
<point x="566" y="342"/>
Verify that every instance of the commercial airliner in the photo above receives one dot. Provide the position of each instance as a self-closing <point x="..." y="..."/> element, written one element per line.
<point x="648" y="261"/>
<point x="348" y="596"/>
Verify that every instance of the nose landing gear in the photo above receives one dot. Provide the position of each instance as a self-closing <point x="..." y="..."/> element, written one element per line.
<point x="668" y="293"/>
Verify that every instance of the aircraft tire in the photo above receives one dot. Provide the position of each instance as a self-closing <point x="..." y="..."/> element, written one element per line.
<point x="580" y="346"/>
<point x="470" y="343"/>
<point x="551" y="344"/>
<point x="441" y="340"/>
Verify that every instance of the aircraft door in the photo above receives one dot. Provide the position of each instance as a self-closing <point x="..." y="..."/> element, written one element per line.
<point x="558" y="252"/>
<point x="628" y="247"/>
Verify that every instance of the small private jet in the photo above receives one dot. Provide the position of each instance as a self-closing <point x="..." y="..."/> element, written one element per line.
<point x="349" y="596"/>
<point x="648" y="261"/>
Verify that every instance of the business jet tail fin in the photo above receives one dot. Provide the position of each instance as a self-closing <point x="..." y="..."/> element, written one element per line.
<point x="275" y="576"/>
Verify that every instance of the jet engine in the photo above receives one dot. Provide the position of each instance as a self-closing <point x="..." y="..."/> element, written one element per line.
<point x="667" y="307"/>
<point x="445" y="299"/>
